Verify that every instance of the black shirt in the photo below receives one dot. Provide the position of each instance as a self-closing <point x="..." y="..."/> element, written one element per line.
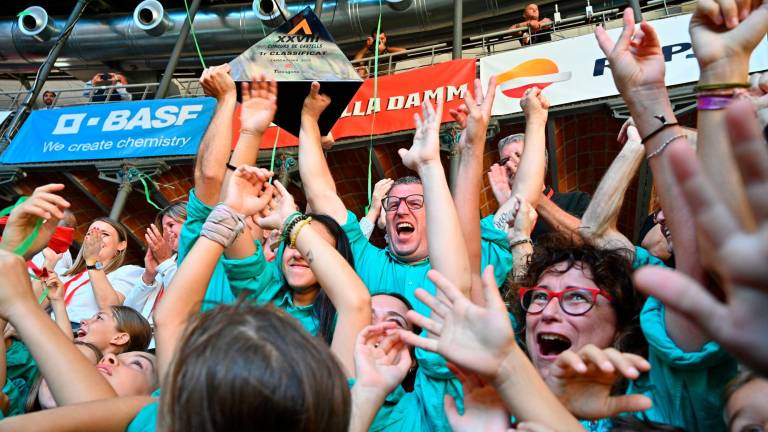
<point x="575" y="203"/>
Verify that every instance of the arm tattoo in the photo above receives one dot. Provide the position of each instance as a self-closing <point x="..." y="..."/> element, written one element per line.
<point x="502" y="222"/>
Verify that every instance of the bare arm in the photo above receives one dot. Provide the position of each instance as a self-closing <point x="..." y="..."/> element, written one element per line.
<point x="57" y="303"/>
<point x="473" y="116"/>
<point x="313" y="168"/>
<point x="70" y="376"/>
<point x="598" y="225"/>
<point x="443" y="230"/>
<point x="529" y="178"/>
<point x="113" y="414"/>
<point x="560" y="220"/>
<point x="214" y="151"/>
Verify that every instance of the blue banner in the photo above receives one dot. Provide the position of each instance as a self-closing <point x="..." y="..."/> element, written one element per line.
<point x="123" y="130"/>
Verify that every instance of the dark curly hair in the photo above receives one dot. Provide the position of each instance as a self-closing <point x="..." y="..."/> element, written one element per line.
<point x="611" y="270"/>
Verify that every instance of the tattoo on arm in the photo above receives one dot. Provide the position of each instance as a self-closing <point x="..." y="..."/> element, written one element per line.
<point x="503" y="221"/>
<point x="308" y="256"/>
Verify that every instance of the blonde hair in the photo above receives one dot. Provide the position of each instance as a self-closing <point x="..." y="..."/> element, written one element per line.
<point x="114" y="263"/>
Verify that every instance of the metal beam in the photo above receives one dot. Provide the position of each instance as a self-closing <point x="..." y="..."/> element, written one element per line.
<point x="170" y="68"/>
<point x="42" y="75"/>
<point x="458" y="21"/>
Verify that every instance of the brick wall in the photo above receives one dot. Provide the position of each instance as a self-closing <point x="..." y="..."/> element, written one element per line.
<point x="585" y="146"/>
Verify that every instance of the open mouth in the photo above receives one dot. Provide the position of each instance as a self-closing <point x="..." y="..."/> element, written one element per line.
<point x="405" y="228"/>
<point x="551" y="344"/>
<point x="81" y="332"/>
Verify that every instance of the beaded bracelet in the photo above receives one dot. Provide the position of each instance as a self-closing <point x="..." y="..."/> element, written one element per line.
<point x="297" y="229"/>
<point x="291" y="222"/>
<point x="520" y="241"/>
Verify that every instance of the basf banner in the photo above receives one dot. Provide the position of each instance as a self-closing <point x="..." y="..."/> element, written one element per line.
<point x="124" y="130"/>
<point x="572" y="70"/>
<point x="399" y="97"/>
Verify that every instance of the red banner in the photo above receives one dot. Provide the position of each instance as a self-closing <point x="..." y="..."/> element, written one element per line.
<point x="400" y="97"/>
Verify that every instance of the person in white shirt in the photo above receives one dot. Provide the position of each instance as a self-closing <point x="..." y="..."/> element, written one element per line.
<point x="107" y="87"/>
<point x="159" y="261"/>
<point x="97" y="279"/>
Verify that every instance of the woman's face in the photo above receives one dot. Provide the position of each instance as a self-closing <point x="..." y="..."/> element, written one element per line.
<point x="296" y="269"/>
<point x="172" y="226"/>
<point x="44" y="395"/>
<point x="110" y="240"/>
<point x="130" y="374"/>
<point x="386" y="308"/>
<point x="552" y="331"/>
<point x="747" y="408"/>
<point x="101" y="330"/>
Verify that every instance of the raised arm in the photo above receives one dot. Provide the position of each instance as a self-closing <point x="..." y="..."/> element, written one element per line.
<point x="723" y="35"/>
<point x="529" y="179"/>
<point x="214" y="151"/>
<point x="313" y="168"/>
<point x="70" y="376"/>
<point x="598" y="225"/>
<point x="44" y="204"/>
<point x="56" y="297"/>
<point x="338" y="279"/>
<point x="447" y="249"/>
<point x="187" y="289"/>
<point x="473" y="116"/>
<point x="106" y="295"/>
<point x="639" y="75"/>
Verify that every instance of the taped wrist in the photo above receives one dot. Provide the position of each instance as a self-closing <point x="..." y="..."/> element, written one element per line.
<point x="223" y="225"/>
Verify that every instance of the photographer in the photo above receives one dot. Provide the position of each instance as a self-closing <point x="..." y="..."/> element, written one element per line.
<point x="107" y="87"/>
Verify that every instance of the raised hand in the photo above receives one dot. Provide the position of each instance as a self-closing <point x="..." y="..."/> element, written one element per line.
<point x="723" y="34"/>
<point x="475" y="338"/>
<point x="278" y="215"/>
<point x="628" y="132"/>
<point x="217" y="82"/>
<point x="156" y="242"/>
<point x="43" y="204"/>
<point x="150" y="267"/>
<point x="637" y="62"/>
<point x="259" y="104"/>
<point x="475" y="113"/>
<point x="497" y="177"/>
<point x="739" y="323"/>
<point x="426" y="141"/>
<point x="583" y="381"/>
<point x="381" y="362"/>
<point x="483" y="407"/>
<point x="92" y="245"/>
<point x="51" y="258"/>
<point x="248" y="191"/>
<point x="315" y="102"/>
<point x="55" y="291"/>
<point x="535" y="105"/>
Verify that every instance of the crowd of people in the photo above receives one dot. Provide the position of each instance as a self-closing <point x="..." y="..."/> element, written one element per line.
<point x="254" y="311"/>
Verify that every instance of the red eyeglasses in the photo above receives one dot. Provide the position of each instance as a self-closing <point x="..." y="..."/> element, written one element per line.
<point x="574" y="301"/>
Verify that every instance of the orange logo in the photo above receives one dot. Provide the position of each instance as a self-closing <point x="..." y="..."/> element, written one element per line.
<point x="539" y="73"/>
<point x="303" y="26"/>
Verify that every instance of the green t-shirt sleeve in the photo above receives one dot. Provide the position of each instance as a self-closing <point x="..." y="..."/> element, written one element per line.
<point x="685" y="387"/>
<point x="495" y="250"/>
<point x="21" y="372"/>
<point x="644" y="258"/>
<point x="146" y="419"/>
<point x="197" y="213"/>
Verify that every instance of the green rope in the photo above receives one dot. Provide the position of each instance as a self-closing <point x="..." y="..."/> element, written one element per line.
<point x="194" y="36"/>
<point x="375" y="96"/>
<point x="142" y="176"/>
<point x="274" y="152"/>
<point x="44" y="294"/>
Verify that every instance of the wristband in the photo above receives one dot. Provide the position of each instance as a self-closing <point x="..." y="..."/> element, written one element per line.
<point x="520" y="241"/>
<point x="230" y="166"/>
<point x="250" y="132"/>
<point x="713" y="103"/>
<point x="663" y="126"/>
<point x="289" y="223"/>
<point x="721" y="86"/>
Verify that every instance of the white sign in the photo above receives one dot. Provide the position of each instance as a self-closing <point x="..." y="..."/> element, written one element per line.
<point x="575" y="69"/>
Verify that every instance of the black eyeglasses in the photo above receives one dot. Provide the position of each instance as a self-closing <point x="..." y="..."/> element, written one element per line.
<point x="392" y="203"/>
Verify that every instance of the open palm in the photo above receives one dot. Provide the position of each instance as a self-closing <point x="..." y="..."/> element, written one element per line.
<point x="259" y="103"/>
<point x="636" y="59"/>
<point x="426" y="140"/>
<point x="475" y="338"/>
